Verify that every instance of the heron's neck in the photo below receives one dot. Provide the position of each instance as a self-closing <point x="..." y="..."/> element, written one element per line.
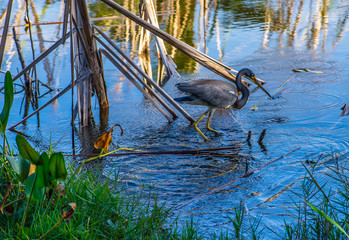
<point x="245" y="93"/>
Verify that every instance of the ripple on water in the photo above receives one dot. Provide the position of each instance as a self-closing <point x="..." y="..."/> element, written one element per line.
<point x="313" y="101"/>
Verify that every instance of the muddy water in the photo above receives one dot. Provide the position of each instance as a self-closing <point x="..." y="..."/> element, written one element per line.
<point x="270" y="37"/>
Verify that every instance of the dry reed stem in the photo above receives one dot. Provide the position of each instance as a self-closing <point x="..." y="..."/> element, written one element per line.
<point x="5" y="31"/>
<point x="174" y="152"/>
<point x="112" y="60"/>
<point x="61" y="93"/>
<point x="91" y="54"/>
<point x="38" y="59"/>
<point x="144" y="39"/>
<point x="156" y="86"/>
<point x="67" y="10"/>
<point x="169" y="66"/>
<point x="206" y="61"/>
<point x="21" y="59"/>
<point x="148" y="88"/>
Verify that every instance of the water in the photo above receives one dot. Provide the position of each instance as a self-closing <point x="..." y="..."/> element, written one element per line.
<point x="269" y="37"/>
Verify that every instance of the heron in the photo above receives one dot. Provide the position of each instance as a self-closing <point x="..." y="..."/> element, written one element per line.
<point x="216" y="94"/>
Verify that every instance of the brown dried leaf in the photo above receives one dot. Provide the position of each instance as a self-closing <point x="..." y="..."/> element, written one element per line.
<point x="104" y="141"/>
<point x="68" y="215"/>
<point x="61" y="190"/>
<point x="345" y="110"/>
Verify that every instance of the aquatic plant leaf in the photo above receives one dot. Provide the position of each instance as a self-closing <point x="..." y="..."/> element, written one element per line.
<point x="13" y="163"/>
<point x="345" y="110"/>
<point x="7" y="104"/>
<point x="305" y="70"/>
<point x="26" y="150"/>
<point x="40" y="180"/>
<point x="20" y="165"/>
<point x="328" y="219"/>
<point x="104" y="141"/>
<point x="38" y="192"/>
<point x="57" y="167"/>
<point x="68" y="215"/>
<point x="44" y="170"/>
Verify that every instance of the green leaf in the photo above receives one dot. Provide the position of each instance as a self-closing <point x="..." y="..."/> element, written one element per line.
<point x="27" y="151"/>
<point x="24" y="167"/>
<point x="7" y="104"/>
<point x="20" y="165"/>
<point x="38" y="192"/>
<point x="13" y="163"/>
<point x="328" y="219"/>
<point x="57" y="166"/>
<point x="43" y="172"/>
<point x="45" y="159"/>
<point x="40" y="179"/>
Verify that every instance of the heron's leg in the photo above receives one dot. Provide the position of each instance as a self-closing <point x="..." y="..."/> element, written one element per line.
<point x="208" y="123"/>
<point x="195" y="124"/>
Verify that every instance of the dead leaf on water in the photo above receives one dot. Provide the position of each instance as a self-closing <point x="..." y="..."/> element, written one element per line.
<point x="254" y="107"/>
<point x="104" y="141"/>
<point x="345" y="110"/>
<point x="305" y="70"/>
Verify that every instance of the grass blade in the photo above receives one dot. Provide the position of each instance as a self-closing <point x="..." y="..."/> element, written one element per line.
<point x="321" y="213"/>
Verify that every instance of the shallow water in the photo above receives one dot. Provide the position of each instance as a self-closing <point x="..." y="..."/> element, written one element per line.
<point x="269" y="37"/>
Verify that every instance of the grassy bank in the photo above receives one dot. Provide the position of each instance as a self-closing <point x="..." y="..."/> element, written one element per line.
<point x="103" y="211"/>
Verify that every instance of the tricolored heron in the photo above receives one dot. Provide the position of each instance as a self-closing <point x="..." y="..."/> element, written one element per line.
<point x="216" y="94"/>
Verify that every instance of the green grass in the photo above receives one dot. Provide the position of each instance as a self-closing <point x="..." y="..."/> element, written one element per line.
<point x="105" y="210"/>
<point x="322" y="211"/>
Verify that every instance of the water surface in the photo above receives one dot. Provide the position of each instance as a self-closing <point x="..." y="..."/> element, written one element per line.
<point x="269" y="37"/>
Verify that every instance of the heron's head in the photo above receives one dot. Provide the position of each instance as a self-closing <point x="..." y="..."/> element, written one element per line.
<point x="248" y="74"/>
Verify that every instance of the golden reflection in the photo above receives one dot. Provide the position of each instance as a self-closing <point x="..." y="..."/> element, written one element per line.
<point x="301" y="23"/>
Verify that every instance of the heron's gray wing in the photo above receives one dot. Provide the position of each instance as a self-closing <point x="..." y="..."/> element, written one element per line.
<point x="212" y="95"/>
<point x="212" y="82"/>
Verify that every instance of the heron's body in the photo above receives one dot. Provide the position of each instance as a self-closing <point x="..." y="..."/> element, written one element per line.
<point x="207" y="92"/>
<point x="216" y="94"/>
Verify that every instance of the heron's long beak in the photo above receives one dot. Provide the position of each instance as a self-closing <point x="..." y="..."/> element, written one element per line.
<point x="254" y="79"/>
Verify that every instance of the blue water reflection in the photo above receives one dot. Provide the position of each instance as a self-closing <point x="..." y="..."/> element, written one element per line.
<point x="269" y="37"/>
